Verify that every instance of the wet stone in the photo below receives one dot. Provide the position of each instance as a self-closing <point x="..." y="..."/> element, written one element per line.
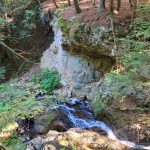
<point x="72" y="102"/>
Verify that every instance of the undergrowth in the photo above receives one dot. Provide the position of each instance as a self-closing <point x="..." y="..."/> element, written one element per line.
<point x="135" y="54"/>
<point x="48" y="80"/>
<point x="132" y="72"/>
<point x="14" y="143"/>
<point x="18" y="101"/>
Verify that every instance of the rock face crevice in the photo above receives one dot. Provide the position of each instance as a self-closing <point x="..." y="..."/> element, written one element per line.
<point x="79" y="70"/>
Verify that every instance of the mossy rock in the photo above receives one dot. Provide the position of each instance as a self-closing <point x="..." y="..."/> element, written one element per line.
<point x="144" y="72"/>
<point x="43" y="123"/>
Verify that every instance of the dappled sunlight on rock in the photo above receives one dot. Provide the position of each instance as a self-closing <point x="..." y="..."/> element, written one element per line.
<point x="8" y="131"/>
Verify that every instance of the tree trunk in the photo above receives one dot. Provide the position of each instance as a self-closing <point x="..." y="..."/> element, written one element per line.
<point x="111" y="6"/>
<point x="77" y="8"/>
<point x="93" y="2"/>
<point x="55" y="4"/>
<point x="39" y="2"/>
<point x="134" y="8"/>
<point x="101" y="7"/>
<point x="69" y="3"/>
<point x="118" y="4"/>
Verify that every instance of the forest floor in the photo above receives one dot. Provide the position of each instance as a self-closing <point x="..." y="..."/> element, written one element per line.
<point x="89" y="13"/>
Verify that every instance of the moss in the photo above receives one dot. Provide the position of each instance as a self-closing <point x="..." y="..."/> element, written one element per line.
<point x="65" y="26"/>
<point x="14" y="143"/>
<point x="51" y="117"/>
<point x="100" y="103"/>
<point x="48" y="80"/>
<point x="17" y="101"/>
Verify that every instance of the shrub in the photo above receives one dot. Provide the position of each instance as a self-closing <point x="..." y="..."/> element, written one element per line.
<point x="47" y="79"/>
<point x="63" y="25"/>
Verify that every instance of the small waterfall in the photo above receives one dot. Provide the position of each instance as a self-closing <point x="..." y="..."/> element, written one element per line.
<point x="89" y="121"/>
<point x="60" y="62"/>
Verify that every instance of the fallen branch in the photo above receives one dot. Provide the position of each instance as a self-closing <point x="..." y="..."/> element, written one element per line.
<point x="13" y="51"/>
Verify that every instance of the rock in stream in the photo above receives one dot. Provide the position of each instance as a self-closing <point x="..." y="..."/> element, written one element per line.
<point x="85" y="132"/>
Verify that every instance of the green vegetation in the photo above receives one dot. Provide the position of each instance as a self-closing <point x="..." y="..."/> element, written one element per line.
<point x="100" y="102"/>
<point x="63" y="25"/>
<point x="18" y="21"/>
<point x="135" y="54"/>
<point x="20" y="15"/>
<point x="14" y="143"/>
<point x="48" y="80"/>
<point x="18" y="102"/>
<point x="132" y="73"/>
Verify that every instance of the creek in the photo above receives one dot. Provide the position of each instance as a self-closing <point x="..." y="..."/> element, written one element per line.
<point x="78" y="112"/>
<point x="81" y="116"/>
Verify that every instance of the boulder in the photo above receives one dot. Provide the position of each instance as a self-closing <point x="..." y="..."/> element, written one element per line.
<point x="144" y="72"/>
<point x="8" y="131"/>
<point x="43" y="123"/>
<point x="72" y="102"/>
<point x="59" y="126"/>
<point x="75" y="138"/>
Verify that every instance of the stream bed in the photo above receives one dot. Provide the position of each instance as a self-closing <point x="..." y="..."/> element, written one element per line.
<point x="80" y="116"/>
<point x="76" y="125"/>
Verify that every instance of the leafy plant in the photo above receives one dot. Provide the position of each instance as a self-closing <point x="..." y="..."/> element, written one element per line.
<point x="63" y="25"/>
<point x="47" y="79"/>
<point x="17" y="101"/>
<point x="100" y="102"/>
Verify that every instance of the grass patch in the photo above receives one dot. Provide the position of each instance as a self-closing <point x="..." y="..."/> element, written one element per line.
<point x="14" y="143"/>
<point x="17" y="101"/>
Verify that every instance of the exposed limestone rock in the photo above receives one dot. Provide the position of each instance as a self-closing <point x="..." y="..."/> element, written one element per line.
<point x="88" y="38"/>
<point x="77" y="138"/>
<point x="79" y="69"/>
<point x="8" y="131"/>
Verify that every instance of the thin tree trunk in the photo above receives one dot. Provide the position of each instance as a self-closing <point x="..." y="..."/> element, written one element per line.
<point x="111" y="6"/>
<point x="39" y="2"/>
<point x="69" y="3"/>
<point x="118" y="4"/>
<point x="134" y="8"/>
<point x="77" y="8"/>
<point x="101" y="7"/>
<point x="55" y="4"/>
<point x="93" y="2"/>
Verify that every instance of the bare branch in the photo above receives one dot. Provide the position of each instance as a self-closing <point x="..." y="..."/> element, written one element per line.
<point x="13" y="51"/>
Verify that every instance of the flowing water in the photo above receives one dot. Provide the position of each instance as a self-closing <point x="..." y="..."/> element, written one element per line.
<point x="78" y="112"/>
<point x="80" y="115"/>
